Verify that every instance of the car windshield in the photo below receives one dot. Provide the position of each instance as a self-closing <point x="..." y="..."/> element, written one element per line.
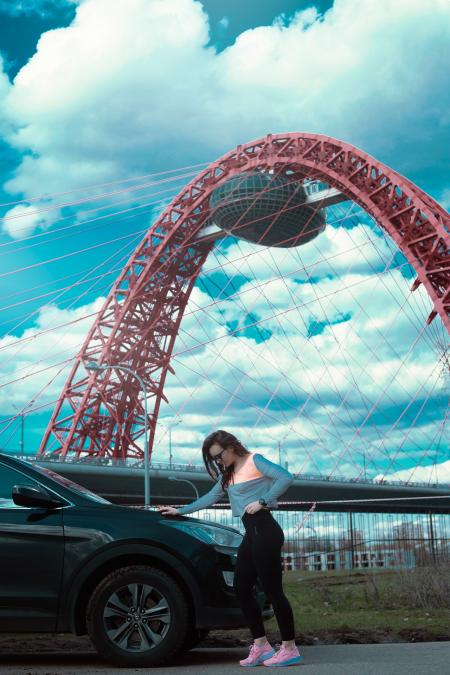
<point x="66" y="482"/>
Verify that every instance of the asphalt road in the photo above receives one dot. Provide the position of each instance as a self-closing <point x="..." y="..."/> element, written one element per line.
<point x="425" y="658"/>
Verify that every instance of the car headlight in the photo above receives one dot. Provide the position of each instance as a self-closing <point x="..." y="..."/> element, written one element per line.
<point x="210" y="534"/>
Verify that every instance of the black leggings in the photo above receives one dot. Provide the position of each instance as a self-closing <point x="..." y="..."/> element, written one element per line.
<point x="259" y="555"/>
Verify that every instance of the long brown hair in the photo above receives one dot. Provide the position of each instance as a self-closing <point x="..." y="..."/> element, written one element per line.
<point x="225" y="440"/>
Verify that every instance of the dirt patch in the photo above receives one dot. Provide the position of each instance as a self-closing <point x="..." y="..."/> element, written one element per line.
<point x="45" y="643"/>
<point x="67" y="643"/>
<point x="240" y="638"/>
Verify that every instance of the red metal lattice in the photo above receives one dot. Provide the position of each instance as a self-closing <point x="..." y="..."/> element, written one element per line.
<point x="139" y="321"/>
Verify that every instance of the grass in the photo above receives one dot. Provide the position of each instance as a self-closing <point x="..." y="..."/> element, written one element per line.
<point x="383" y="600"/>
<point x="359" y="606"/>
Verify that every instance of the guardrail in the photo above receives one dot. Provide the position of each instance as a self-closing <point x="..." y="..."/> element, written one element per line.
<point x="195" y="468"/>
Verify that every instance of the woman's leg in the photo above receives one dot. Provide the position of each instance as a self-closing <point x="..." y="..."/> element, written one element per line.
<point x="245" y="575"/>
<point x="266" y="553"/>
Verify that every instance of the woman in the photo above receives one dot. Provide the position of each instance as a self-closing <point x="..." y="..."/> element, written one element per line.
<point x="253" y="484"/>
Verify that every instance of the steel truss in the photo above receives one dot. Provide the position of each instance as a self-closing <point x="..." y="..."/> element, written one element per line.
<point x="140" y="318"/>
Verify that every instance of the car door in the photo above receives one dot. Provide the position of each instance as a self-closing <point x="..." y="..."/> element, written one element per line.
<point x="31" y="559"/>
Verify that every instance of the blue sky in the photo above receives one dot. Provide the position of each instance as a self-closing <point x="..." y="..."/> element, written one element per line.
<point x="96" y="92"/>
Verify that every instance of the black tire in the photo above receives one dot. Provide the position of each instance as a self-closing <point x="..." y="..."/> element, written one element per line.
<point x="193" y="638"/>
<point x="119" y="617"/>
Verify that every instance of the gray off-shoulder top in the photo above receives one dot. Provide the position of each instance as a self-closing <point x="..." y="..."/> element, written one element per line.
<point x="258" y="478"/>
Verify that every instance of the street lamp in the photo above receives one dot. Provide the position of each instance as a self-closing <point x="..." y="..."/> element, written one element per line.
<point x="279" y="449"/>
<point x="169" y="427"/>
<point x="363" y="455"/>
<point x="95" y="367"/>
<point x="22" y="423"/>
<point x="185" y="480"/>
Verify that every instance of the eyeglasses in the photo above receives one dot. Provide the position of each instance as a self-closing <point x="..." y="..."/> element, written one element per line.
<point x="219" y="455"/>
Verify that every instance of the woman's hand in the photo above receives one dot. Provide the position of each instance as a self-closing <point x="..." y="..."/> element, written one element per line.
<point x="253" y="507"/>
<point x="168" y="510"/>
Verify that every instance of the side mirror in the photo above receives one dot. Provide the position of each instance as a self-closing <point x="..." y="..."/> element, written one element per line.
<point x="31" y="496"/>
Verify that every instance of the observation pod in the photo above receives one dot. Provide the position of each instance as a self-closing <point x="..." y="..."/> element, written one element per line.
<point x="265" y="209"/>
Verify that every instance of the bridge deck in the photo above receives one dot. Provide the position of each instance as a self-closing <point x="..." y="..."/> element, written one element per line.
<point x="125" y="485"/>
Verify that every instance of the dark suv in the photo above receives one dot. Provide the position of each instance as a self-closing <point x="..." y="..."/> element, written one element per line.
<point x="142" y="585"/>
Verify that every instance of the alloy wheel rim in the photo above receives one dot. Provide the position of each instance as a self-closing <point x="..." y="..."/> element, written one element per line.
<point x="136" y="617"/>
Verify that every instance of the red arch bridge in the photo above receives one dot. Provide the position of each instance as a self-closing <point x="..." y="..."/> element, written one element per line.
<point x="102" y="415"/>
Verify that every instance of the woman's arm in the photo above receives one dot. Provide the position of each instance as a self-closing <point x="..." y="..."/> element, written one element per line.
<point x="282" y="478"/>
<point x="210" y="498"/>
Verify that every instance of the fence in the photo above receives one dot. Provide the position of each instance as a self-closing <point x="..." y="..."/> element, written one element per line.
<point x="339" y="541"/>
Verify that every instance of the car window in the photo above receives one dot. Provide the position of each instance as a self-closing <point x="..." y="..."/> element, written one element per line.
<point x="8" y="478"/>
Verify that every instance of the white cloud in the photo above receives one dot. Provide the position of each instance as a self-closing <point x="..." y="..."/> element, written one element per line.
<point x="334" y="252"/>
<point x="130" y="87"/>
<point x="432" y="473"/>
<point x="4" y="91"/>
<point x="28" y="360"/>
<point x="23" y="219"/>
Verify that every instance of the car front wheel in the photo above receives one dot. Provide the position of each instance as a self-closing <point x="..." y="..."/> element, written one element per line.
<point x="138" y="616"/>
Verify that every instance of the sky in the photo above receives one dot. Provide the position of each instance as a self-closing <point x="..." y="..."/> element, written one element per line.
<point x="95" y="95"/>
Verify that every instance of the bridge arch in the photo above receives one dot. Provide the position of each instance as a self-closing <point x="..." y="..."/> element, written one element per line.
<point x="140" y="318"/>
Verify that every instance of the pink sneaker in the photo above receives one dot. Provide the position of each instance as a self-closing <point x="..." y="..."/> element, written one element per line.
<point x="257" y="655"/>
<point x="284" y="657"/>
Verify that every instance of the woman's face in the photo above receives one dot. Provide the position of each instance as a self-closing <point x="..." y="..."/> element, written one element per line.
<point x="223" y="456"/>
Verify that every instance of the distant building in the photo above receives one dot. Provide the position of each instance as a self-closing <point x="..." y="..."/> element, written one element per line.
<point x="409" y="533"/>
<point x="349" y="538"/>
<point x="368" y="558"/>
